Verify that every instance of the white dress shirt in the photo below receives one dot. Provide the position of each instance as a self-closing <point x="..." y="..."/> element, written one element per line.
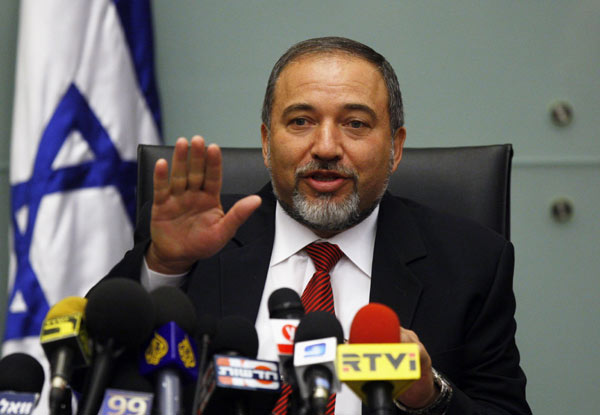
<point x="291" y="267"/>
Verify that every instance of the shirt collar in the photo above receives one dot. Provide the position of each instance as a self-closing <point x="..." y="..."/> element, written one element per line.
<point x="357" y="243"/>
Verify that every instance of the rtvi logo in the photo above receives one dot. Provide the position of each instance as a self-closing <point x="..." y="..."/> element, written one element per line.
<point x="371" y="362"/>
<point x="315" y="350"/>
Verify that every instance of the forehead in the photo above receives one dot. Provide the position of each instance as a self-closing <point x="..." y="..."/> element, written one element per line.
<point x="331" y="76"/>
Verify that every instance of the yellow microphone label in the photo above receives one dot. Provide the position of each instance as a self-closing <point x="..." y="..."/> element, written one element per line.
<point x="156" y="350"/>
<point x="186" y="353"/>
<point x="61" y="327"/>
<point x="397" y="363"/>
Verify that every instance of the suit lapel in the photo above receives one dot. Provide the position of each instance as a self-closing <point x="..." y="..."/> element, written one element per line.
<point x="244" y="268"/>
<point x="397" y="244"/>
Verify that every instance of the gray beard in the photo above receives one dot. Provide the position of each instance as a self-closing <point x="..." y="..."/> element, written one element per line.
<point x="323" y="214"/>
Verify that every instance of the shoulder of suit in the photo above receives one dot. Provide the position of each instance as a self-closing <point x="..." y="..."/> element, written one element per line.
<point x="443" y="223"/>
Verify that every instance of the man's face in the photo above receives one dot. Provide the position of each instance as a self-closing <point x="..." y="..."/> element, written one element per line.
<point x="329" y="149"/>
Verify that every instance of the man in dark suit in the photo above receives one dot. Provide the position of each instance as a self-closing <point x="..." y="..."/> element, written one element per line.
<point x="332" y="134"/>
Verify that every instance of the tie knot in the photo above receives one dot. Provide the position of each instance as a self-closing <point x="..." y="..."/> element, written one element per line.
<point x="324" y="255"/>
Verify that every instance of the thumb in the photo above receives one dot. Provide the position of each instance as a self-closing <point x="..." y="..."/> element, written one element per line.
<point x="239" y="213"/>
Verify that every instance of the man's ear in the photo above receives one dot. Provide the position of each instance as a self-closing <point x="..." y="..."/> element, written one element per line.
<point x="264" y="135"/>
<point x="398" y="143"/>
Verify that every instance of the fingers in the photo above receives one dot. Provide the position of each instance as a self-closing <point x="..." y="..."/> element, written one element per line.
<point x="201" y="169"/>
<point x="161" y="181"/>
<point x="409" y="336"/>
<point x="213" y="175"/>
<point x="179" y="167"/>
<point x="197" y="164"/>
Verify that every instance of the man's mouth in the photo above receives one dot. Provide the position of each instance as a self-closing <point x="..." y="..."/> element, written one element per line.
<point x="325" y="177"/>
<point x="325" y="181"/>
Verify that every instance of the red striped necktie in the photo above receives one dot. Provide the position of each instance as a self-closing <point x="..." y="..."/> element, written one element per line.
<point x="317" y="296"/>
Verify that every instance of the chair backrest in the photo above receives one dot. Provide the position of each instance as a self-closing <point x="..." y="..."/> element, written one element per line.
<point x="473" y="182"/>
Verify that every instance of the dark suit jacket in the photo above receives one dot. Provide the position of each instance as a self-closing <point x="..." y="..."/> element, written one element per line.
<point x="449" y="280"/>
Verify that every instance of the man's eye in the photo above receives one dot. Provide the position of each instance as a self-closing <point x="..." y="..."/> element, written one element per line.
<point x="356" y="124"/>
<point x="299" y="121"/>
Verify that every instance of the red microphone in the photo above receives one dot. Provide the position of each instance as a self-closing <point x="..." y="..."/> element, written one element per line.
<point x="375" y="365"/>
<point x="375" y="323"/>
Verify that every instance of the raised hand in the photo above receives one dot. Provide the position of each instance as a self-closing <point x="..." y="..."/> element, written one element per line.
<point x="188" y="222"/>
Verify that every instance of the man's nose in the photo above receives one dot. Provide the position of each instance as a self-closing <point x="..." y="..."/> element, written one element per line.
<point x="326" y="142"/>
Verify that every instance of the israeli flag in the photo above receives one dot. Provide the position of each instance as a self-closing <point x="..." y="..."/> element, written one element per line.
<point x="85" y="96"/>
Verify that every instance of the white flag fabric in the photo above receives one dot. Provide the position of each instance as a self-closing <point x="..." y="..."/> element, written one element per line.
<point x="85" y="96"/>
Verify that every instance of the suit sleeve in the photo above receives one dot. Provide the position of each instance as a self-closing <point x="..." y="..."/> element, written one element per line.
<point x="131" y="264"/>
<point x="492" y="381"/>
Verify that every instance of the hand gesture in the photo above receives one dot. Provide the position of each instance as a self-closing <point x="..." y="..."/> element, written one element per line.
<point x="188" y="222"/>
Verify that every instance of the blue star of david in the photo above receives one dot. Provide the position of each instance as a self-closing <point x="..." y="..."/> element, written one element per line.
<point x="107" y="169"/>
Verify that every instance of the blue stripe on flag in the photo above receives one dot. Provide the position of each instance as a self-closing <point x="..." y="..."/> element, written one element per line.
<point x="107" y="169"/>
<point x="136" y="18"/>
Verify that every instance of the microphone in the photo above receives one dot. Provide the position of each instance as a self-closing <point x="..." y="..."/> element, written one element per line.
<point x="316" y="340"/>
<point x="21" y="382"/>
<point x="234" y="381"/>
<point x="285" y="312"/>
<point x="66" y="344"/>
<point x="375" y="365"/>
<point x="120" y="315"/>
<point x="128" y="392"/>
<point x="171" y="352"/>
<point x="206" y="328"/>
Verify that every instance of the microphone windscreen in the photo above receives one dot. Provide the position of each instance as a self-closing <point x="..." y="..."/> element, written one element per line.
<point x="172" y="304"/>
<point x="121" y="309"/>
<point x="20" y="372"/>
<point x="375" y="323"/>
<point x="285" y="303"/>
<point x="68" y="305"/>
<point x="127" y="376"/>
<point x="235" y="334"/>
<point x="319" y="325"/>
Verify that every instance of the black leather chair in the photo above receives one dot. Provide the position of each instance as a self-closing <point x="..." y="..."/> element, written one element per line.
<point x="467" y="181"/>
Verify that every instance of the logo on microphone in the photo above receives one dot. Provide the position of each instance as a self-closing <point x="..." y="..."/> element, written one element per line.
<point x="240" y="373"/>
<point x="17" y="403"/>
<point x="378" y="361"/>
<point x="288" y="331"/>
<point x="186" y="353"/>
<point x="284" y="331"/>
<point x="315" y="350"/>
<point x="157" y="349"/>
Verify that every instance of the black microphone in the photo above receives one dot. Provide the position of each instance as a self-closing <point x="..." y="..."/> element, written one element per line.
<point x="21" y="382"/>
<point x="120" y="315"/>
<point x="170" y="355"/>
<point x="315" y="349"/>
<point x="206" y="328"/>
<point x="285" y="312"/>
<point x="234" y="381"/>
<point x="66" y="344"/>
<point x="127" y="391"/>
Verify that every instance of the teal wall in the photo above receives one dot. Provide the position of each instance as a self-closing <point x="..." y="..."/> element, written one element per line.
<point x="472" y="72"/>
